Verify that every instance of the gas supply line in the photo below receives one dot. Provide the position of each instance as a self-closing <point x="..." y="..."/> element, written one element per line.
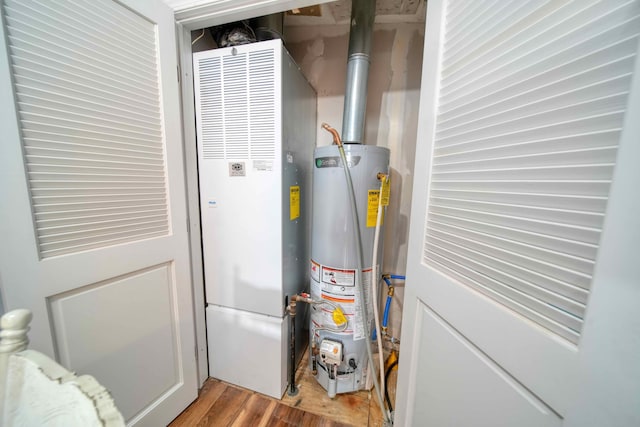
<point x="338" y="317"/>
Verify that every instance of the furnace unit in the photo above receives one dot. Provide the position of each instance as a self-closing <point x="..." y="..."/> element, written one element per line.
<point x="256" y="129"/>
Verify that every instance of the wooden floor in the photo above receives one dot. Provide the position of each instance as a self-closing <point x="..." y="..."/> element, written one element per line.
<point x="222" y="404"/>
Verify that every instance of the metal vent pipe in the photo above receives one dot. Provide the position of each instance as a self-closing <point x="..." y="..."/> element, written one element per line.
<point x="355" y="97"/>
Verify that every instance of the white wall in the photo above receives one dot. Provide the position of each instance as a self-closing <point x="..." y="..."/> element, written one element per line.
<point x="392" y="112"/>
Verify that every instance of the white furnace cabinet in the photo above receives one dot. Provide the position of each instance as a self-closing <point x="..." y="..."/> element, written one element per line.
<point x="256" y="118"/>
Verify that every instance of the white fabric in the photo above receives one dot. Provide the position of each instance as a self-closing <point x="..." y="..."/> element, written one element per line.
<point x="54" y="398"/>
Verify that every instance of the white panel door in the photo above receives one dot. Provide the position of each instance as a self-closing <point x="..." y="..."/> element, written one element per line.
<point x="93" y="222"/>
<point x="522" y="279"/>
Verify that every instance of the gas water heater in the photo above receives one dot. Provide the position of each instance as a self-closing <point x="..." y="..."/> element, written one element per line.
<point x="350" y="182"/>
<point x="341" y="362"/>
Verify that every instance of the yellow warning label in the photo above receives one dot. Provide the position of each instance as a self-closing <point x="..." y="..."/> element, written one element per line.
<point x="372" y="208"/>
<point x="386" y="190"/>
<point x="294" y="202"/>
<point x="338" y="317"/>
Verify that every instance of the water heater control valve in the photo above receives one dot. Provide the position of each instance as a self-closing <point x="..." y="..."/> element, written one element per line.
<point x="331" y="352"/>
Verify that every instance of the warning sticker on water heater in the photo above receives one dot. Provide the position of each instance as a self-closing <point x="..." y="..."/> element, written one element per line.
<point x="358" y="327"/>
<point x="386" y="192"/>
<point x="372" y="208"/>
<point x="343" y="294"/>
<point x="315" y="271"/>
<point x="339" y="277"/>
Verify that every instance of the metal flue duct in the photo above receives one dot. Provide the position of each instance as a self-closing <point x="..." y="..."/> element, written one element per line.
<point x="355" y="99"/>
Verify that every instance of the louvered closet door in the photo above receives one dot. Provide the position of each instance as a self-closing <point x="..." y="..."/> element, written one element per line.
<point x="524" y="218"/>
<point x="94" y="237"/>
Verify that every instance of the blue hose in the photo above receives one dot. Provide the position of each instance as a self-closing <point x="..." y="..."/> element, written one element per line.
<point x="387" y="306"/>
<point x="385" y="318"/>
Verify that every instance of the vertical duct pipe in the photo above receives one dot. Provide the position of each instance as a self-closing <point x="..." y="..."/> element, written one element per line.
<point x="268" y="27"/>
<point x="355" y="105"/>
<point x="355" y="97"/>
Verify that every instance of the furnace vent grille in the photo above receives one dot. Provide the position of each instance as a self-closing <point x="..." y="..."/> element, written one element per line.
<point x="236" y="105"/>
<point x="211" y="125"/>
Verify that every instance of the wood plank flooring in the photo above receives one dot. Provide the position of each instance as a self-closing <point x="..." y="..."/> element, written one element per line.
<point x="221" y="404"/>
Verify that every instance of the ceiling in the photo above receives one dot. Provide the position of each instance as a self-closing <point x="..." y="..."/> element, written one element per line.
<point x="339" y="12"/>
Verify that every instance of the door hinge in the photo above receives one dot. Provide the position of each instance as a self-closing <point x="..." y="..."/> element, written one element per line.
<point x="188" y="227"/>
<point x="178" y="68"/>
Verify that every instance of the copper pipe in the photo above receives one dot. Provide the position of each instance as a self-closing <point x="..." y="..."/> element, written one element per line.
<point x="292" y="305"/>
<point x="336" y="135"/>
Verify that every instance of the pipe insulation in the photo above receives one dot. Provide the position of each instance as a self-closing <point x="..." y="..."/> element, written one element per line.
<point x="355" y="97"/>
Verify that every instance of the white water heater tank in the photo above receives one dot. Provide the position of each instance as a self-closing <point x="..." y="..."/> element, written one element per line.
<point x="334" y="256"/>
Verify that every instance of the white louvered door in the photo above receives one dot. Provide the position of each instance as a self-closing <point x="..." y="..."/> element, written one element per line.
<point x="522" y="286"/>
<point x="94" y="231"/>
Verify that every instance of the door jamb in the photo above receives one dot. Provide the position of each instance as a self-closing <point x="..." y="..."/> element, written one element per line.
<point x="183" y="39"/>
